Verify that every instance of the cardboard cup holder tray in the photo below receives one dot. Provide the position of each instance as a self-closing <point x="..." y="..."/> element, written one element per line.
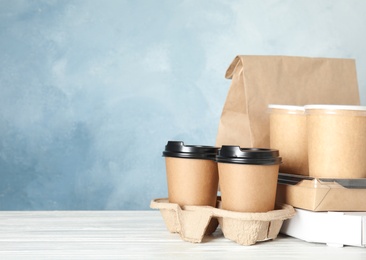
<point x="194" y="222"/>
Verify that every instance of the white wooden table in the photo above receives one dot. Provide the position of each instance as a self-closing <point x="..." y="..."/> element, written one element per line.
<point x="135" y="235"/>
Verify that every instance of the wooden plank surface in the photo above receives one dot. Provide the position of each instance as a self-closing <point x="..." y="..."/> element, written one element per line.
<point x="135" y="235"/>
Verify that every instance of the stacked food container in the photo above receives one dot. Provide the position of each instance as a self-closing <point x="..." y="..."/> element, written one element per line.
<point x="323" y="174"/>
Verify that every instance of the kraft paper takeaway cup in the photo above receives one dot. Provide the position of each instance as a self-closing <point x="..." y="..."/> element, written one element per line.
<point x="248" y="178"/>
<point x="192" y="174"/>
<point x="336" y="141"/>
<point x="288" y="135"/>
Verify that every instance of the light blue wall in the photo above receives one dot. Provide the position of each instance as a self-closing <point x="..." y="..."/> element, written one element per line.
<point x="91" y="91"/>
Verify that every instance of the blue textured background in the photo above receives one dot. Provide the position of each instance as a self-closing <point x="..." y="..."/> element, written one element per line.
<point x="91" y="91"/>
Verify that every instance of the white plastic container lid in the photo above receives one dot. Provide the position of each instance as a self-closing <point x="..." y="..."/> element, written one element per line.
<point x="286" y="107"/>
<point x="336" y="107"/>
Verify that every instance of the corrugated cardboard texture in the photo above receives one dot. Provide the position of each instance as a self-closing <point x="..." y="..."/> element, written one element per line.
<point x="193" y="222"/>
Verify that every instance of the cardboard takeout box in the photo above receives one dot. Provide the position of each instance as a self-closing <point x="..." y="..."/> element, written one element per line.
<point x="317" y="194"/>
<point x="333" y="228"/>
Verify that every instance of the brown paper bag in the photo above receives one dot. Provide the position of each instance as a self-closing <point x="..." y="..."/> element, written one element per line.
<point x="261" y="80"/>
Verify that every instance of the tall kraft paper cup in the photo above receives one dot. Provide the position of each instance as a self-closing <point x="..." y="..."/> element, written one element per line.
<point x="192" y="174"/>
<point x="248" y="178"/>
<point x="288" y="135"/>
<point x="336" y="141"/>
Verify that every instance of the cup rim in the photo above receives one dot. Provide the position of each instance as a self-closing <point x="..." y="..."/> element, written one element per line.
<point x="286" y="107"/>
<point x="335" y="107"/>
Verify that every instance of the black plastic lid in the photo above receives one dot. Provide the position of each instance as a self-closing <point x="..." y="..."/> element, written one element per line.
<point x="259" y="156"/>
<point x="179" y="150"/>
